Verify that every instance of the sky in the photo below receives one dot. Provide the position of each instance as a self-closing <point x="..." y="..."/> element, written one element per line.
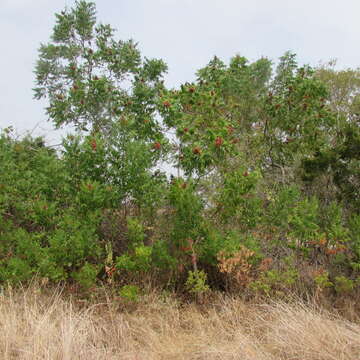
<point x="186" y="34"/>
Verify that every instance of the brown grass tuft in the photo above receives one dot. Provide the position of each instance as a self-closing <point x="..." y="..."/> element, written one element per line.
<point x="38" y="326"/>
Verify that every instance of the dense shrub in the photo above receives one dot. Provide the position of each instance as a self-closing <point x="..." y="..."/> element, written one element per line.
<point x="261" y="204"/>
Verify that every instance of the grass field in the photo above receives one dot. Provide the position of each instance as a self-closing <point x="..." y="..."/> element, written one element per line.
<point x="41" y="325"/>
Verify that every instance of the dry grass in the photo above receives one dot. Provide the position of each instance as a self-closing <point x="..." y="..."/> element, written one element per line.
<point x="37" y="326"/>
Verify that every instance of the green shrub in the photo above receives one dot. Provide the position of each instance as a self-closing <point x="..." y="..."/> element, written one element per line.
<point x="275" y="282"/>
<point x="237" y="199"/>
<point x="269" y="185"/>
<point x="86" y="275"/>
<point x="196" y="282"/>
<point x="343" y="285"/>
<point x="130" y="293"/>
<point x="322" y="280"/>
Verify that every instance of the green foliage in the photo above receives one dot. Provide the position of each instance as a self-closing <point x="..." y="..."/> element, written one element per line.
<point x="281" y="205"/>
<point x="237" y="197"/>
<point x="304" y="221"/>
<point x="136" y="233"/>
<point x="337" y="232"/>
<point x="268" y="173"/>
<point x="187" y="221"/>
<point x="275" y="282"/>
<point x="139" y="260"/>
<point x="343" y="285"/>
<point x="196" y="282"/>
<point x="87" y="275"/>
<point x="130" y="293"/>
<point x="74" y="240"/>
<point x="161" y="256"/>
<point x="211" y="115"/>
<point x="125" y="262"/>
<point x="354" y="227"/>
<point x="82" y="71"/>
<point x="297" y="122"/>
<point x="322" y="280"/>
<point x="47" y="230"/>
<point x="120" y="168"/>
<point x="16" y="270"/>
<point x="340" y="164"/>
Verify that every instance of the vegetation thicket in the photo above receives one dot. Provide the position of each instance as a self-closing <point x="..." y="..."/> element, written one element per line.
<point x="266" y="201"/>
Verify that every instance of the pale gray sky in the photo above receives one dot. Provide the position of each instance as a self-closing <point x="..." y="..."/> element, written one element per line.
<point x="184" y="33"/>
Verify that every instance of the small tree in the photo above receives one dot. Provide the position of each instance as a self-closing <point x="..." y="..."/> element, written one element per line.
<point x="297" y="121"/>
<point x="93" y="81"/>
<point x="214" y="116"/>
<point x="104" y="88"/>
